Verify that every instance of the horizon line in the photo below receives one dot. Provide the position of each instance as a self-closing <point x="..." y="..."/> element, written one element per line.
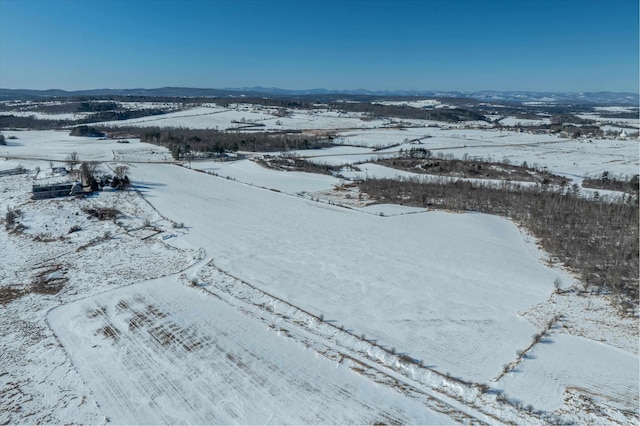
<point x="329" y="91"/>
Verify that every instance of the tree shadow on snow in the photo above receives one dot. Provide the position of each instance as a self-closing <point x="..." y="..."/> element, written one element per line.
<point x="146" y="185"/>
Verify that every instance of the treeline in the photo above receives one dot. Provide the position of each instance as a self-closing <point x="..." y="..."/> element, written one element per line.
<point x="66" y="107"/>
<point x="421" y="160"/>
<point x="74" y="107"/>
<point x="193" y="143"/>
<point x="35" y="123"/>
<point x="292" y="163"/>
<point x="86" y="131"/>
<point x="16" y="122"/>
<point x="119" y="115"/>
<point x="596" y="239"/>
<point x="569" y="123"/>
<point x="376" y="111"/>
<point x="618" y="114"/>
<point x="614" y="183"/>
<point x="369" y="107"/>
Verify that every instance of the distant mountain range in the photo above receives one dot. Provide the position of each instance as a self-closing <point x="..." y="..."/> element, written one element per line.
<point x="624" y="98"/>
<point x="600" y="98"/>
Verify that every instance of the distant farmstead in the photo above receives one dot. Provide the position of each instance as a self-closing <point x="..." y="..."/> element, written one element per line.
<point x="56" y="190"/>
<point x="17" y="171"/>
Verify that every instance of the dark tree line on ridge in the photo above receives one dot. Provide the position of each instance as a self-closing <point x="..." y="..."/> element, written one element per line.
<point x="614" y="183"/>
<point x="193" y="143"/>
<point x="17" y="122"/>
<point x="421" y="160"/>
<point x="32" y="122"/>
<point x="596" y="239"/>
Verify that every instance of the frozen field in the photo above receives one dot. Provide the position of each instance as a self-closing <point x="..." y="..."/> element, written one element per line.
<point x="43" y="146"/>
<point x="239" y="116"/>
<point x="249" y="172"/>
<point x="435" y="286"/>
<point x="460" y="293"/>
<point x="163" y="353"/>
<point x="514" y="121"/>
<point x="574" y="158"/>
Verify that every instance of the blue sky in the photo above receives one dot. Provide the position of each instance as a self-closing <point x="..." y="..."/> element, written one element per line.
<point x="466" y="45"/>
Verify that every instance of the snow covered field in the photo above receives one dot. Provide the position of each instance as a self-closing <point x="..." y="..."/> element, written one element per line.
<point x="43" y="116"/>
<point x="292" y="259"/>
<point x="514" y="121"/>
<point x="574" y="158"/>
<point x="249" y="172"/>
<point x="163" y="353"/>
<point x="240" y="116"/>
<point x="457" y="294"/>
<point x="50" y="145"/>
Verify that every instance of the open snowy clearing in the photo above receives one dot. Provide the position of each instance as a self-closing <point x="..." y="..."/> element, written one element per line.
<point x="249" y="172"/>
<point x="633" y="124"/>
<point x="436" y="287"/>
<point x="515" y="121"/>
<point x="573" y="158"/>
<point x="44" y="116"/>
<point x="52" y="145"/>
<point x="434" y="307"/>
<point x="350" y="284"/>
<point x="163" y="353"/>
<point x="416" y="104"/>
<point x="574" y="362"/>
<point x="242" y="117"/>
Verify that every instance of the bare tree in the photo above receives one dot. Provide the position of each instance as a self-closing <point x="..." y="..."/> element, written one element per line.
<point x="88" y="171"/>
<point x="73" y="159"/>
<point x="121" y="171"/>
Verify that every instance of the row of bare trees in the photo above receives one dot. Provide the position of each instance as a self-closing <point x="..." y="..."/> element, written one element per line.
<point x="192" y="143"/>
<point x="614" y="183"/>
<point x="89" y="170"/>
<point x="597" y="239"/>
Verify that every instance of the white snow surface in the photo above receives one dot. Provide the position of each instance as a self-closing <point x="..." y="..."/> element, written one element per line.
<point x="416" y="104"/>
<point x="577" y="158"/>
<point x="44" y="116"/>
<point x="562" y="361"/>
<point x="249" y="172"/>
<point x="45" y="145"/>
<point x="514" y="121"/>
<point x="339" y="263"/>
<point x="237" y="117"/>
<point x="463" y="293"/>
<point x="177" y="355"/>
